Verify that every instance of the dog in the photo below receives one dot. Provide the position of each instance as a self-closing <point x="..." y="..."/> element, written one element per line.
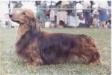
<point x="42" y="48"/>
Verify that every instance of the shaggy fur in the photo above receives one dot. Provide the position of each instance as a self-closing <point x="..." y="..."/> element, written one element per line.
<point x="37" y="47"/>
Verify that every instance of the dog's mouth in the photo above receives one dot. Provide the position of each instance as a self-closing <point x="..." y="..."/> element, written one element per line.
<point x="14" y="20"/>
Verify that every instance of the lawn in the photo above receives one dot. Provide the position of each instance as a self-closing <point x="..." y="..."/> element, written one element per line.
<point x="11" y="65"/>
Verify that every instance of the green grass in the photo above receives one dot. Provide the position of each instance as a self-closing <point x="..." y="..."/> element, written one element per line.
<point x="11" y="65"/>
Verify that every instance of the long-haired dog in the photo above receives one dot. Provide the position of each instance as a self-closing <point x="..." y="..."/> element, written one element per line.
<point x="38" y="47"/>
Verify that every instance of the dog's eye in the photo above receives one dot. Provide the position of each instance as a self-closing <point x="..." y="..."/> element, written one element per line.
<point x="23" y="13"/>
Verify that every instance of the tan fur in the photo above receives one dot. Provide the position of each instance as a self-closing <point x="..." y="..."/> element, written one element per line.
<point x="38" y="47"/>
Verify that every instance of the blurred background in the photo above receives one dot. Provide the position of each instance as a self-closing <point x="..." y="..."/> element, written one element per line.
<point x="89" y="17"/>
<point x="61" y="14"/>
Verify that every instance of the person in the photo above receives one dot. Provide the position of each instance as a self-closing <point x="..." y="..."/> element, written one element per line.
<point x="41" y="13"/>
<point x="109" y="13"/>
<point x="103" y="17"/>
<point x="79" y="9"/>
<point x="95" y="15"/>
<point x="87" y="13"/>
<point x="79" y="12"/>
<point x="103" y="14"/>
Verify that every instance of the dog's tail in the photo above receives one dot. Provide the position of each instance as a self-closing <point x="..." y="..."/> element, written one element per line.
<point x="95" y="58"/>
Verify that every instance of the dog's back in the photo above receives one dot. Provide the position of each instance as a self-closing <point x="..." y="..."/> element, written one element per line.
<point x="57" y="48"/>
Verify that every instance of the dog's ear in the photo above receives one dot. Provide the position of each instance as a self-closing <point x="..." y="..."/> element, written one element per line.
<point x="32" y="19"/>
<point x="29" y="14"/>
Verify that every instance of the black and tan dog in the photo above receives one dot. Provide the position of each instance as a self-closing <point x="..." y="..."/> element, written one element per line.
<point x="37" y="47"/>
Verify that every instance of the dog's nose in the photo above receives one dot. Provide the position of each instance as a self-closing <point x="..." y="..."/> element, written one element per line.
<point x="10" y="15"/>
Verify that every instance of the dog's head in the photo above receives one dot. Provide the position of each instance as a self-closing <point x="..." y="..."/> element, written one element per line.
<point x="25" y="18"/>
<point x="22" y="16"/>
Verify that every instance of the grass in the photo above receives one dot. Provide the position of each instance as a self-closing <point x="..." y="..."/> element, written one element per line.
<point x="11" y="65"/>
